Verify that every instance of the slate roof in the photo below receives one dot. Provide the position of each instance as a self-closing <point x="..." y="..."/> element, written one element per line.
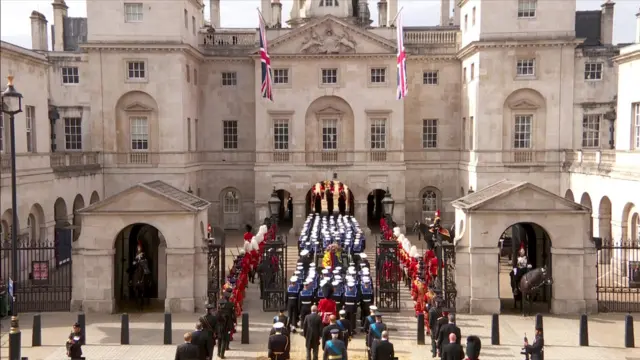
<point x="176" y="194"/>
<point x="487" y="193"/>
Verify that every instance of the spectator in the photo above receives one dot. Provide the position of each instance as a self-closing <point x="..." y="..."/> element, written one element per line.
<point x="187" y="351"/>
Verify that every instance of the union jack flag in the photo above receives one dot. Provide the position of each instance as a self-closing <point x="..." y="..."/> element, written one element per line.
<point x="403" y="89"/>
<point x="266" y="89"/>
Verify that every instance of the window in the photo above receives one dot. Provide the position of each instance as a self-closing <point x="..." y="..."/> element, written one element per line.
<point x="473" y="16"/>
<point x="329" y="76"/>
<point x="196" y="131"/>
<point x="188" y="134"/>
<point x="231" y="204"/>
<point x="378" y="134"/>
<point x="132" y="12"/>
<point x="526" y="67"/>
<point x="430" y="78"/>
<point x="139" y="133"/>
<point x="471" y="133"/>
<point x="429" y="133"/>
<point x="136" y="70"/>
<point x="593" y="71"/>
<point x="280" y="76"/>
<point x="195" y="77"/>
<point x="429" y="201"/>
<point x="527" y="8"/>
<point x="329" y="134"/>
<point x="466" y="18"/>
<point x="636" y="133"/>
<point x="186" y="19"/>
<point x="73" y="133"/>
<point x="464" y="75"/>
<point x="188" y="74"/>
<point x="472" y="73"/>
<point x="70" y="75"/>
<point x="230" y="134"/>
<point x="30" y="112"/>
<point x="229" y="78"/>
<point x="281" y="134"/>
<point x="591" y="130"/>
<point x="193" y="25"/>
<point x="329" y="3"/>
<point x="522" y="132"/>
<point x="378" y="75"/>
<point x="464" y="134"/>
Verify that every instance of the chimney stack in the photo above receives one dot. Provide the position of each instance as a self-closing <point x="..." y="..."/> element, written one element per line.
<point x="39" y="37"/>
<point x="214" y="13"/>
<point x="638" y="27"/>
<point x="382" y="13"/>
<point x="456" y="14"/>
<point x="606" y="23"/>
<point x="59" y="13"/>
<point x="392" y="11"/>
<point x="265" y="9"/>
<point x="276" y="11"/>
<point x="445" y="7"/>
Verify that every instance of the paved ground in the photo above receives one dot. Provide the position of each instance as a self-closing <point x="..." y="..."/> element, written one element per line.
<point x="103" y="336"/>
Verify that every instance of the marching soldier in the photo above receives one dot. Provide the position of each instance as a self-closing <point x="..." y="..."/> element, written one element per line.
<point x="279" y="344"/>
<point x="335" y="348"/>
<point x="292" y="303"/>
<point x="345" y="328"/>
<point x="338" y="294"/>
<point x="326" y="332"/>
<point x="224" y="324"/>
<point x="366" y="300"/>
<point x="435" y="313"/>
<point x="370" y="319"/>
<point x="282" y="318"/>
<point x="351" y="301"/>
<point x="209" y="324"/>
<point x="306" y="300"/>
<point x="375" y="332"/>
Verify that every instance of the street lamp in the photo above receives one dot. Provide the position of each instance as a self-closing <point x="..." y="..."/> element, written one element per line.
<point x="274" y="205"/>
<point x="387" y="204"/>
<point x="11" y="105"/>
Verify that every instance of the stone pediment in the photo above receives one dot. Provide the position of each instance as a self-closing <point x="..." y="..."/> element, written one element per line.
<point x="151" y="197"/>
<point x="524" y="104"/>
<point x="514" y="196"/>
<point x="137" y="106"/>
<point x="329" y="110"/>
<point x="330" y="35"/>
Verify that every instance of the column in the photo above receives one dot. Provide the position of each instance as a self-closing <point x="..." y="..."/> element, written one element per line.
<point x="299" y="215"/>
<point x="180" y="280"/>
<point x="484" y="282"/>
<point x="360" y="213"/>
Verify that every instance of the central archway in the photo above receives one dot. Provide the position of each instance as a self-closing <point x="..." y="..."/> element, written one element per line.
<point x="536" y="242"/>
<point x="154" y="246"/>
<point x="328" y="195"/>
<point x="375" y="212"/>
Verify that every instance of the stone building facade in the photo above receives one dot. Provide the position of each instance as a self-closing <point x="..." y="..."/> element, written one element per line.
<point x="521" y="91"/>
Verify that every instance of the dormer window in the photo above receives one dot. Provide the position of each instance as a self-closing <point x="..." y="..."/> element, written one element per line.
<point x="329" y="3"/>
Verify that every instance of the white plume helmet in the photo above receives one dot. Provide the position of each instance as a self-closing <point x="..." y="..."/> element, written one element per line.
<point x="396" y="231"/>
<point x="247" y="246"/>
<point x="414" y="251"/>
<point x="262" y="229"/>
<point x="406" y="245"/>
<point x="401" y="238"/>
<point x="242" y="252"/>
<point x="254" y="244"/>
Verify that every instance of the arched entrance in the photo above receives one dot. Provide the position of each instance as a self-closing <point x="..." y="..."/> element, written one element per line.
<point x="537" y="245"/>
<point x="154" y="246"/>
<point x="375" y="212"/>
<point x="323" y="190"/>
<point x="285" y="213"/>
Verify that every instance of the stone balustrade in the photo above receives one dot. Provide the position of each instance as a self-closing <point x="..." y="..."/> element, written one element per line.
<point x="213" y="40"/>
<point x="603" y="158"/>
<point x="431" y="37"/>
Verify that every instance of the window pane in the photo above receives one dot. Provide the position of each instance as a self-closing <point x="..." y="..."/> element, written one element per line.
<point x="139" y="134"/>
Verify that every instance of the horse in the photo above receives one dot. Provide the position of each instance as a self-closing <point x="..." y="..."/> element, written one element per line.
<point x="529" y="281"/>
<point x="141" y="281"/>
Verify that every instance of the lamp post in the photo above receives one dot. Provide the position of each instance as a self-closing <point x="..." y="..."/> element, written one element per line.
<point x="12" y="105"/>
<point x="274" y="206"/>
<point x="387" y="205"/>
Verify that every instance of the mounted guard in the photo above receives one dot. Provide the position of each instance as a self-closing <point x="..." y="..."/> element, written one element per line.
<point x="140" y="273"/>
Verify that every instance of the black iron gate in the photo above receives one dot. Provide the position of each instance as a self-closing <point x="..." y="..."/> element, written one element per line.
<point x="275" y="279"/>
<point x="447" y="274"/>
<point x="44" y="273"/>
<point x="388" y="276"/>
<point x="215" y="265"/>
<point x="618" y="274"/>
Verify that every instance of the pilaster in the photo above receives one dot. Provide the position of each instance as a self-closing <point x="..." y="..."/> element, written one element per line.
<point x="180" y="280"/>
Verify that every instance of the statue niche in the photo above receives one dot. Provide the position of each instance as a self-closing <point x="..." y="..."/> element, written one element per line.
<point x="330" y="43"/>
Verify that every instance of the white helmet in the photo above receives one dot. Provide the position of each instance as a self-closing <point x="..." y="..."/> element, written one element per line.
<point x="414" y="251"/>
<point x="242" y="252"/>
<point x="254" y="244"/>
<point x="401" y="238"/>
<point x="396" y="231"/>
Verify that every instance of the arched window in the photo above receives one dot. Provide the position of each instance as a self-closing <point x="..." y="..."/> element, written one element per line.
<point x="231" y="203"/>
<point x="429" y="201"/>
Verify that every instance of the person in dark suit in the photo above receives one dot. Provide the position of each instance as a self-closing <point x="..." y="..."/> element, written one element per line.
<point x="445" y="330"/>
<point x="203" y="341"/>
<point x="312" y="332"/>
<point x="382" y="349"/>
<point x="452" y="350"/>
<point x="187" y="351"/>
<point x="435" y="313"/>
<point x="536" y="350"/>
<point x="279" y="345"/>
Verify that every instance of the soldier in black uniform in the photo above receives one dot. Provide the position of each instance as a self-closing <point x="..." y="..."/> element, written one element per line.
<point x="224" y="324"/>
<point x="326" y="332"/>
<point x="366" y="301"/>
<point x="329" y="198"/>
<point x="535" y="351"/>
<point x="209" y="324"/>
<point x="345" y="328"/>
<point x="305" y="260"/>
<point x="351" y="302"/>
<point x="371" y="319"/>
<point x="435" y="313"/>
<point x="306" y="300"/>
<point x="281" y="317"/>
<point x="292" y="304"/>
<point x="375" y="332"/>
<point x="279" y="344"/>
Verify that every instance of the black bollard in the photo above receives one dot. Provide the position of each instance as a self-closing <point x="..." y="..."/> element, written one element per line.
<point x="584" y="330"/>
<point x="167" y="328"/>
<point x="420" y="329"/>
<point x="124" y="329"/>
<point x="15" y="339"/>
<point x="629" y="341"/>
<point x="36" y="335"/>
<point x="495" y="329"/>
<point x="83" y="328"/>
<point x="245" y="329"/>
<point x="539" y="321"/>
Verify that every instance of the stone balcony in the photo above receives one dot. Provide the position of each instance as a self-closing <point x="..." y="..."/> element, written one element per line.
<point x="602" y="162"/>
<point x="75" y="161"/>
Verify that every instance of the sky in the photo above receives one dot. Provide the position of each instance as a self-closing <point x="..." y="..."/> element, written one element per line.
<point x="15" y="26"/>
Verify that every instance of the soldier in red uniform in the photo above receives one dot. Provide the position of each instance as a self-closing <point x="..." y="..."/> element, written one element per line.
<point x="248" y="235"/>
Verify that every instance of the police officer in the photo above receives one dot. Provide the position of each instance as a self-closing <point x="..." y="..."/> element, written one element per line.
<point x="375" y="332"/>
<point x="351" y="300"/>
<point x="335" y="349"/>
<point x="366" y="300"/>
<point x="292" y="303"/>
<point x="345" y="328"/>
<point x="279" y="344"/>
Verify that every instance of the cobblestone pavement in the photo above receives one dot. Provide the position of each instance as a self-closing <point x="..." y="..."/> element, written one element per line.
<point x="146" y="335"/>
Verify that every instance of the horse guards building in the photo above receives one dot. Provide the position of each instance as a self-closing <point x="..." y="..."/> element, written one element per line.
<point x="144" y="123"/>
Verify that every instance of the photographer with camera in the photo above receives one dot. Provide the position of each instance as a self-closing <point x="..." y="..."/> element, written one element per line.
<point x="534" y="351"/>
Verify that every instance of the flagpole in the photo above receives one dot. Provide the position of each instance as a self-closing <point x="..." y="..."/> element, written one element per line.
<point x="396" y="17"/>
<point x="261" y="17"/>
